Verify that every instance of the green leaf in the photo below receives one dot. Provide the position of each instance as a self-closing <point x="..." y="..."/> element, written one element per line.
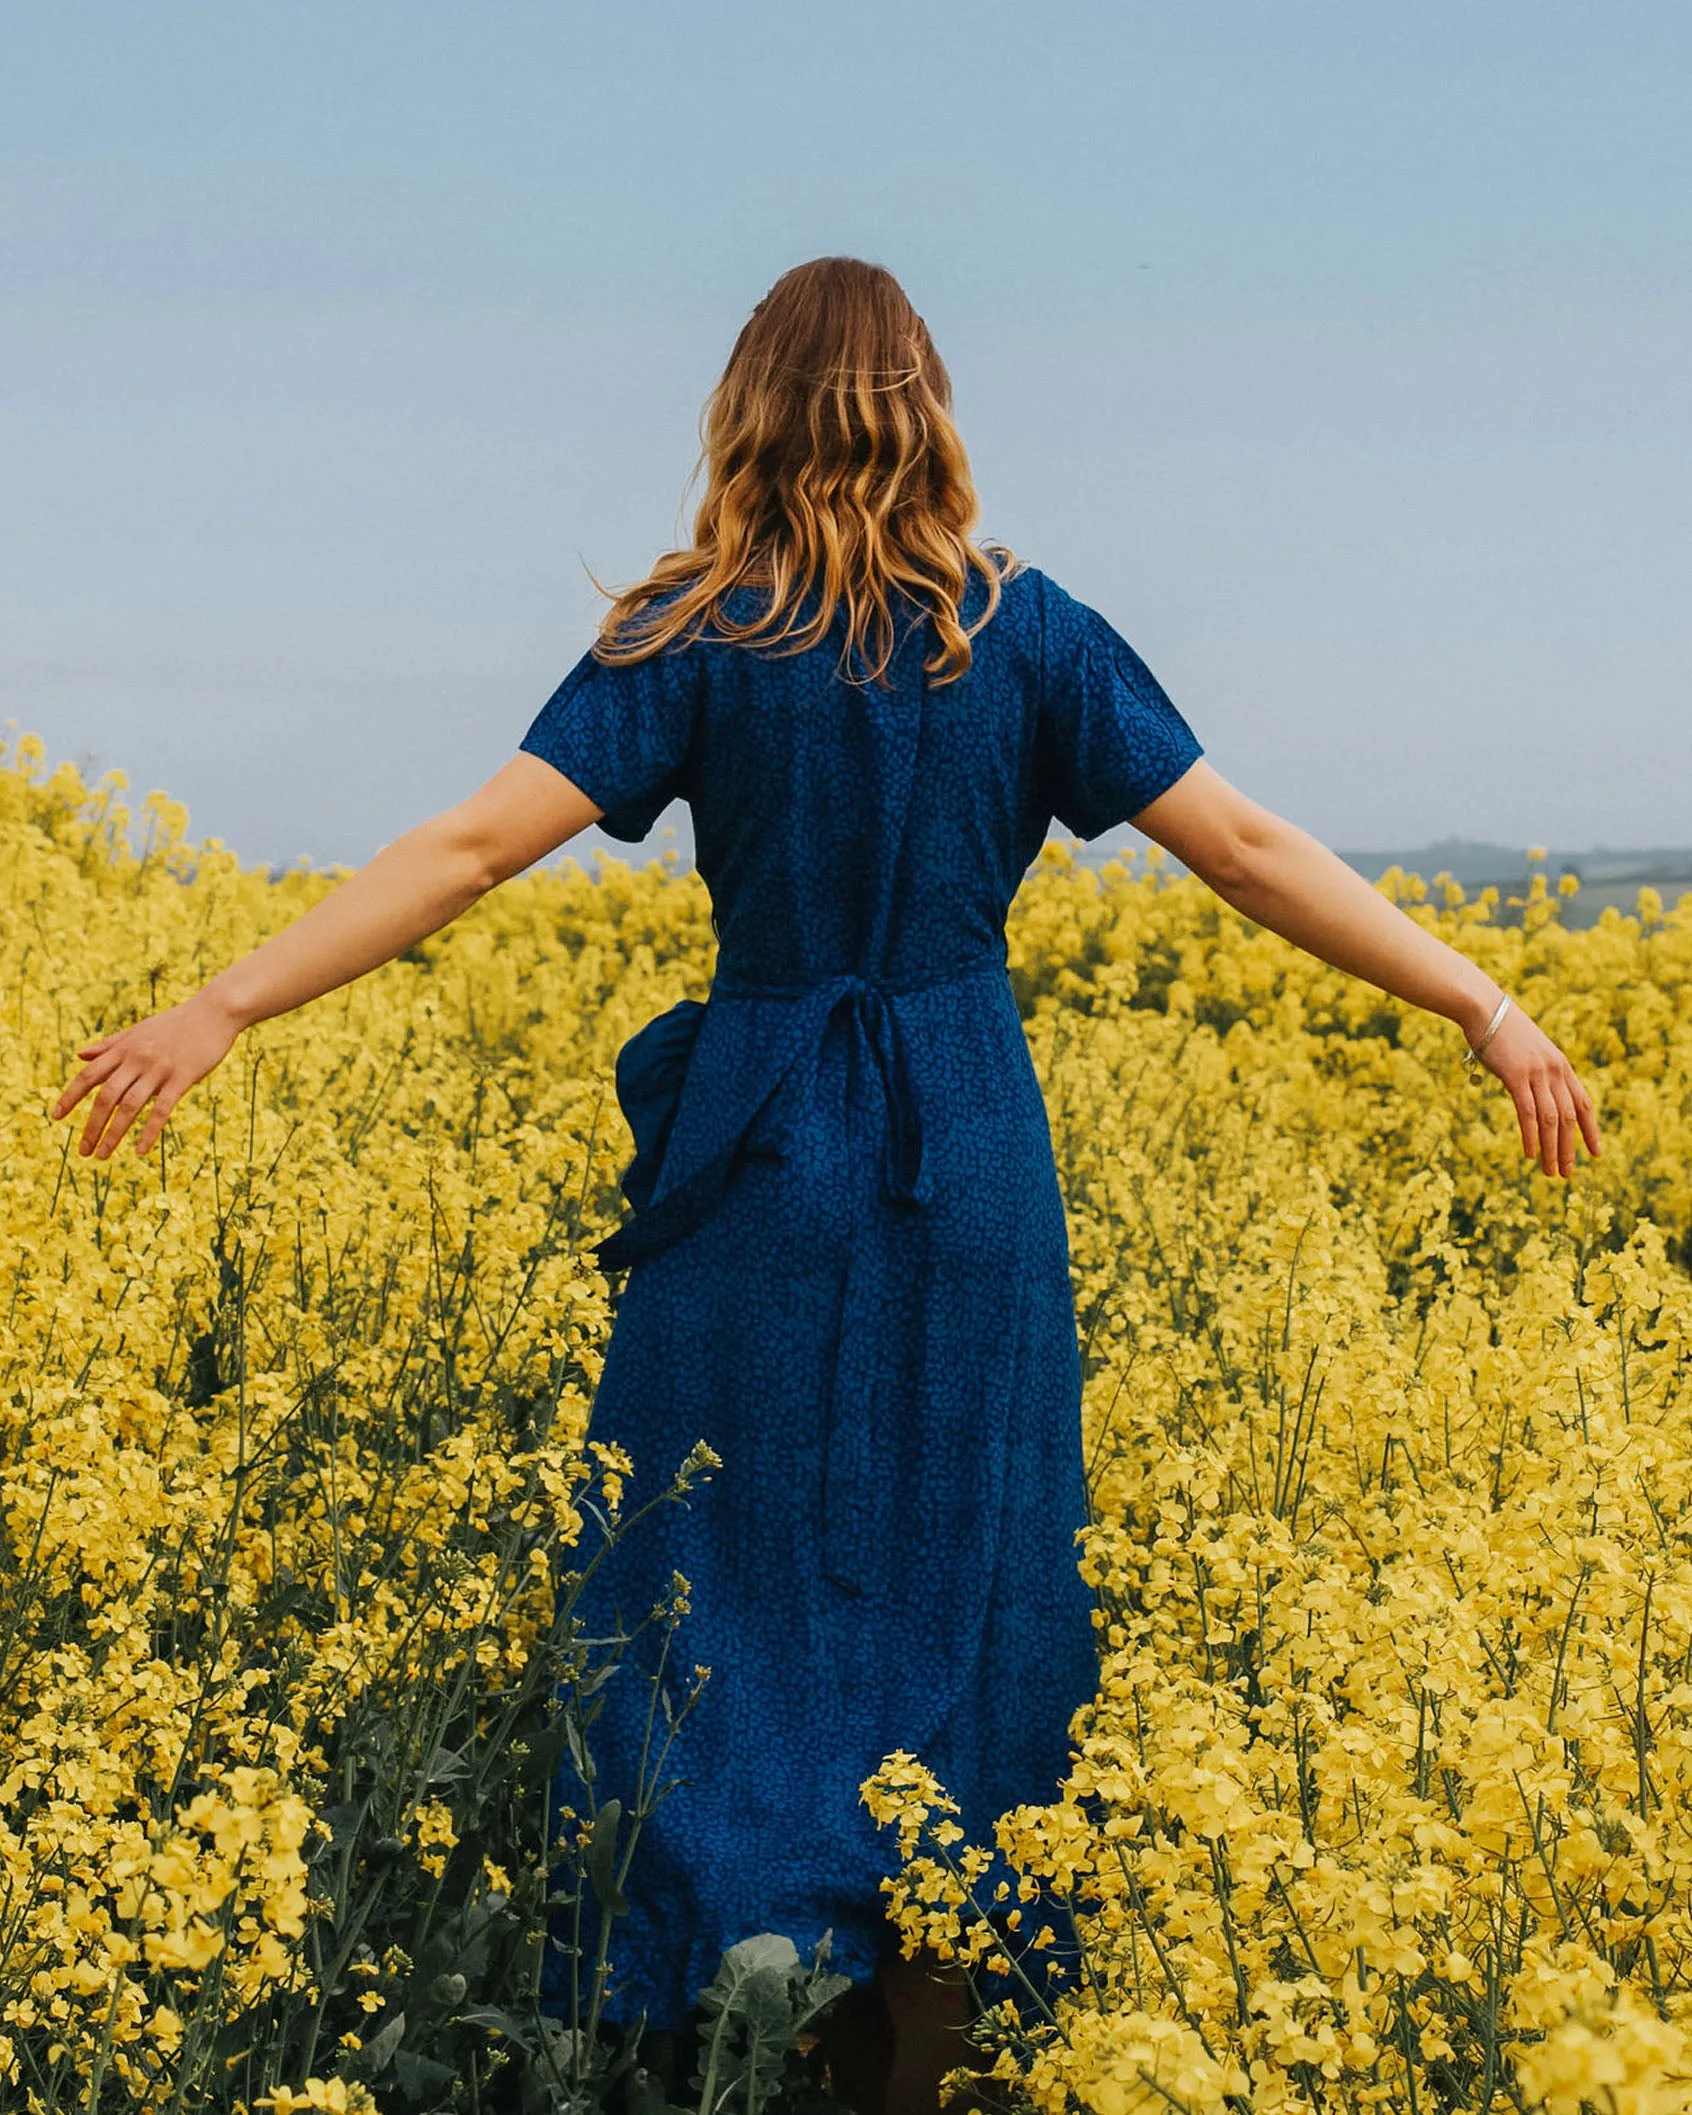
<point x="820" y="1991"/>
<point x="586" y="1768"/>
<point x="769" y="1951"/>
<point x="420" y="2078"/>
<point x="821" y="1986"/>
<point x="602" y="1858"/>
<point x="645" y="2095"/>
<point x="344" y="1821"/>
<point x="514" y="2030"/>
<point x="546" y="1751"/>
<point x="378" y="2053"/>
<point x="447" y="1766"/>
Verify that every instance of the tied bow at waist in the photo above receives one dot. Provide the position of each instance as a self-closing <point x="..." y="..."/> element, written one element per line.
<point x="745" y="1041"/>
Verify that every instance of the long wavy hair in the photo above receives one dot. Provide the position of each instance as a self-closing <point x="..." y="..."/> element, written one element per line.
<point x="833" y="466"/>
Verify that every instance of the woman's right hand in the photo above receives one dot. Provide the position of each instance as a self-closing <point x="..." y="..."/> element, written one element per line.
<point x="156" y="1060"/>
<point x="1280" y="876"/>
<point x="1552" y="1106"/>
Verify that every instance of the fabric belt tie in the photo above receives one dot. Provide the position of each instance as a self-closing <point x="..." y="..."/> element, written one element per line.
<point x="681" y="1168"/>
<point x="876" y="1028"/>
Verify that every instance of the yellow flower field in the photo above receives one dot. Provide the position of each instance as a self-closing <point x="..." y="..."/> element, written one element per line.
<point x="1386" y="1798"/>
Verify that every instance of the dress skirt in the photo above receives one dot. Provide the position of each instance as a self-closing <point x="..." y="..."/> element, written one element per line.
<point x="884" y="1354"/>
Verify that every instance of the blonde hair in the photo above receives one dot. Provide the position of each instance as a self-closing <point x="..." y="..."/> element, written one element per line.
<point x="834" y="466"/>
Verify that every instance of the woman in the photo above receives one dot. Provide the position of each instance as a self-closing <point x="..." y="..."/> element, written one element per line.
<point x="847" y="1251"/>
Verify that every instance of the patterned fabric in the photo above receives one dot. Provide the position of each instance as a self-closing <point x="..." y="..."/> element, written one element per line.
<point x="848" y="1261"/>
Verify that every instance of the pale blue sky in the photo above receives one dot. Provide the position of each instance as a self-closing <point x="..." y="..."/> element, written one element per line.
<point x="1336" y="349"/>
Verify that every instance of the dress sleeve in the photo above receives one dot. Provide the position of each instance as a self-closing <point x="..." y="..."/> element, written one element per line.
<point x="1110" y="738"/>
<point x="624" y="733"/>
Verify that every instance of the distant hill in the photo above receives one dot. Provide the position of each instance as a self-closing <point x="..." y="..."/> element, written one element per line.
<point x="1607" y="875"/>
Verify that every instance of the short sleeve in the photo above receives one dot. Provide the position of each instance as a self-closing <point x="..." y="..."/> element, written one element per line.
<point x="623" y="732"/>
<point x="1110" y="738"/>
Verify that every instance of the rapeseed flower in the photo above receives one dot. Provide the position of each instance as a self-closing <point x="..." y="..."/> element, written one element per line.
<point x="1385" y="1797"/>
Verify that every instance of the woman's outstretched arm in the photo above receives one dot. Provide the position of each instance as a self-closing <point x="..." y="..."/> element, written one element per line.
<point x="411" y="888"/>
<point x="1279" y="876"/>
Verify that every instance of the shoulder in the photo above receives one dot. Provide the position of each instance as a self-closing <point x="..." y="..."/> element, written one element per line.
<point x="1022" y="589"/>
<point x="1042" y="616"/>
<point x="1070" y="629"/>
<point x="1048" y="599"/>
<point x="636" y="660"/>
<point x="1031" y="592"/>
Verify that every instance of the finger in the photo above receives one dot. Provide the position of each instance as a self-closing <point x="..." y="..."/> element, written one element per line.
<point x="1527" y="1117"/>
<point x="130" y="1103"/>
<point x="100" y="1115"/>
<point x="1567" y="1129"/>
<point x="1588" y="1119"/>
<point x="89" y="1076"/>
<point x="72" y="1094"/>
<point x="100" y="1042"/>
<point x="1547" y="1109"/>
<point x="167" y="1099"/>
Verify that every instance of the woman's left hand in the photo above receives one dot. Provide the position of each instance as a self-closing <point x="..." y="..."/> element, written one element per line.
<point x="156" y="1060"/>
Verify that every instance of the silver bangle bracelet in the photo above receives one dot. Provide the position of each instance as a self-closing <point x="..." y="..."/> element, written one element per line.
<point x="1472" y="1056"/>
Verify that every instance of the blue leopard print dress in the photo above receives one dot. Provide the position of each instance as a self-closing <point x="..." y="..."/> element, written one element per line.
<point x="847" y="1260"/>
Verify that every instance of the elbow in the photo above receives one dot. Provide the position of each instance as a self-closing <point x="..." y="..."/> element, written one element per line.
<point x="483" y="871"/>
<point x="468" y="857"/>
<point x="485" y="868"/>
<point x="1243" y="853"/>
<point x="1234" y="846"/>
<point x="1228" y="869"/>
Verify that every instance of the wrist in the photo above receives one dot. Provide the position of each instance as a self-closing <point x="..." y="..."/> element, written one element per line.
<point x="1476" y="1008"/>
<point x="224" y="1000"/>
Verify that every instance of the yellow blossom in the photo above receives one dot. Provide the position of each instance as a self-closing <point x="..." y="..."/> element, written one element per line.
<point x="1389" y="1440"/>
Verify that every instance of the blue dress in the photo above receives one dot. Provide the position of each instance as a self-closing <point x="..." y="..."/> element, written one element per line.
<point x="847" y="1257"/>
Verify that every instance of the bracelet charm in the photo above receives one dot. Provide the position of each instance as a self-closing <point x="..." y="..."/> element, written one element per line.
<point x="1472" y="1056"/>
